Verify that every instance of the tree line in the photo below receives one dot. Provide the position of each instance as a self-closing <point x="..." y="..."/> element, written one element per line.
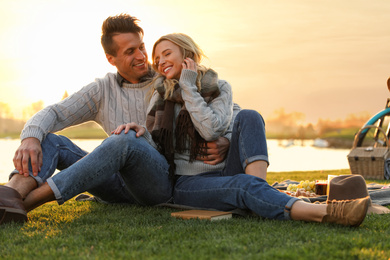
<point x="280" y="125"/>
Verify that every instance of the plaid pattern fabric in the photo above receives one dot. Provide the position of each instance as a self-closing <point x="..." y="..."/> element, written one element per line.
<point x="160" y="119"/>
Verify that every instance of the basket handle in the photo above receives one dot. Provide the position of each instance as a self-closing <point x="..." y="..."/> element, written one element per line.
<point x="367" y="127"/>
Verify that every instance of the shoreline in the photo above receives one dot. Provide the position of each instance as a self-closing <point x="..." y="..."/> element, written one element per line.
<point x="334" y="142"/>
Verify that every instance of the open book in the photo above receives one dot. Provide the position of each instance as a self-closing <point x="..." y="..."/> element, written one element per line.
<point x="202" y="214"/>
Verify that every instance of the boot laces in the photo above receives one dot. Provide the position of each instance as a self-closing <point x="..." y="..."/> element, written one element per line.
<point x="337" y="209"/>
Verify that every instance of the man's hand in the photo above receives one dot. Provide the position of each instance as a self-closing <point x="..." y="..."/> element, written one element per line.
<point x="29" y="150"/>
<point x="216" y="151"/>
<point x="140" y="130"/>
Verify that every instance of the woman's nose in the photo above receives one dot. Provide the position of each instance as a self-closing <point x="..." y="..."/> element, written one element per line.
<point x="161" y="61"/>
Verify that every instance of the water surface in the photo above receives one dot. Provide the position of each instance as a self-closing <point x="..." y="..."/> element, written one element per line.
<point x="283" y="157"/>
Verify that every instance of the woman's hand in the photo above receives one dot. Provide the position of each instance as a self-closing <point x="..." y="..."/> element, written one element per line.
<point x="139" y="130"/>
<point x="189" y="64"/>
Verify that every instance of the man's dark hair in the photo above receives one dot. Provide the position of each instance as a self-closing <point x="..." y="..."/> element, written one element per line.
<point x="114" y="25"/>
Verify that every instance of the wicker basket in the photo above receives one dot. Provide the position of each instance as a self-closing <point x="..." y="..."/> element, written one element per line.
<point x="368" y="161"/>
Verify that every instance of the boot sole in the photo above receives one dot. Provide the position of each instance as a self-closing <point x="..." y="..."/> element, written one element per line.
<point x="8" y="215"/>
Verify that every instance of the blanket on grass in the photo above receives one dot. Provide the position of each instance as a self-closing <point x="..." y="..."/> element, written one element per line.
<point x="379" y="195"/>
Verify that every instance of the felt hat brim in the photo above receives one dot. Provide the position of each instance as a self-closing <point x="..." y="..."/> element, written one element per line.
<point x="349" y="187"/>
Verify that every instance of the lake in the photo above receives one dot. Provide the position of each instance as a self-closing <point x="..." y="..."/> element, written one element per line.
<point x="301" y="156"/>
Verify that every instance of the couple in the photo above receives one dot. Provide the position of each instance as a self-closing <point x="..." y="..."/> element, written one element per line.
<point x="192" y="125"/>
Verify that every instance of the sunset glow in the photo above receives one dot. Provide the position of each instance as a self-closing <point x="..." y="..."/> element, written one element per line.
<point x="326" y="59"/>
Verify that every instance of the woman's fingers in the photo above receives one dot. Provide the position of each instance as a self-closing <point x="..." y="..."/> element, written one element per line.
<point x="189" y="64"/>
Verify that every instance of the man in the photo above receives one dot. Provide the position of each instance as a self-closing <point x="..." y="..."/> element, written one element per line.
<point x="124" y="168"/>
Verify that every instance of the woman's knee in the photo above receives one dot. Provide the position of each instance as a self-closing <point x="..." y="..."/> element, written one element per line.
<point x="250" y="114"/>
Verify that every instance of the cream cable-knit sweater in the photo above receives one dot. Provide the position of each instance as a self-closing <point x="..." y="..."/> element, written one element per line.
<point x="102" y="101"/>
<point x="110" y="105"/>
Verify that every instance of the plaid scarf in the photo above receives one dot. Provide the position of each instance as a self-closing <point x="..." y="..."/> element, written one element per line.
<point x="160" y="120"/>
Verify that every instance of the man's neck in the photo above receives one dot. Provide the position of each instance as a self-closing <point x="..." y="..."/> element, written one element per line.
<point x="151" y="73"/>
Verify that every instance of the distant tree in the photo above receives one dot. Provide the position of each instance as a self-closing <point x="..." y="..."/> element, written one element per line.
<point x="30" y="110"/>
<point x="351" y="121"/>
<point x="285" y="124"/>
<point x="5" y="111"/>
<point x="65" y="95"/>
<point x="327" y="125"/>
<point x="287" y="119"/>
<point x="357" y="120"/>
<point x="310" y="131"/>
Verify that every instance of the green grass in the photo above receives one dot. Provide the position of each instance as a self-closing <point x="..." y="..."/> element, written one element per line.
<point x="92" y="131"/>
<point x="347" y="133"/>
<point x="15" y="135"/>
<point x="88" y="230"/>
<point x="84" y="131"/>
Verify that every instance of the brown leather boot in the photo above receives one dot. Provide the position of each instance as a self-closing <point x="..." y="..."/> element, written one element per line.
<point x="347" y="212"/>
<point x="11" y="206"/>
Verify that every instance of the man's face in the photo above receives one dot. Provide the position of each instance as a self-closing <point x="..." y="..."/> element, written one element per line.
<point x="131" y="58"/>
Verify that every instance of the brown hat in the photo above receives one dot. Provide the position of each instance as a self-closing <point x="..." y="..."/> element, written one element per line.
<point x="349" y="187"/>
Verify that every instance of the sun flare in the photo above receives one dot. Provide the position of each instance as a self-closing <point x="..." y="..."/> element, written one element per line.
<point x="298" y="56"/>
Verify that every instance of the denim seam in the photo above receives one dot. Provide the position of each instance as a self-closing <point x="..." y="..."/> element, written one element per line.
<point x="288" y="207"/>
<point x="244" y="163"/>
<point x="281" y="207"/>
<point x="136" y="150"/>
<point x="254" y="159"/>
<point x="63" y="147"/>
<point x="36" y="178"/>
<point x="56" y="191"/>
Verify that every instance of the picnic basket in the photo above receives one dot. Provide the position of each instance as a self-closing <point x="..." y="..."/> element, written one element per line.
<point x="368" y="161"/>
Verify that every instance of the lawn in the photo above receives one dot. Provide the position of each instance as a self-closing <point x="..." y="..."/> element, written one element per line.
<point x="89" y="230"/>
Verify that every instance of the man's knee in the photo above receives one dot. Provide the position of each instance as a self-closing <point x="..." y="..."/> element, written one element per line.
<point x="51" y="138"/>
<point x="54" y="140"/>
<point x="122" y="139"/>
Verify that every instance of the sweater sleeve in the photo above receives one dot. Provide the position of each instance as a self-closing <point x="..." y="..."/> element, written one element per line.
<point x="80" y="107"/>
<point x="229" y="131"/>
<point x="212" y="119"/>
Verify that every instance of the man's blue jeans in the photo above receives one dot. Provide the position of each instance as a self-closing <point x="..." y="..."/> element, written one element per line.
<point x="231" y="188"/>
<point x="123" y="169"/>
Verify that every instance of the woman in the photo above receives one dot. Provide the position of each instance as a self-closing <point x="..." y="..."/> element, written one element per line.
<point x="191" y="105"/>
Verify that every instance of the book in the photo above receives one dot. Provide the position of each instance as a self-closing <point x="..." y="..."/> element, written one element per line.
<point x="202" y="214"/>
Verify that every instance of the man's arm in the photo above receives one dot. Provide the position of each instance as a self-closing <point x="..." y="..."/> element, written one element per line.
<point x="77" y="108"/>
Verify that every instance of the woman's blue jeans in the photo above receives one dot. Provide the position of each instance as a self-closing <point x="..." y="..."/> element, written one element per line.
<point x="123" y="169"/>
<point x="231" y="188"/>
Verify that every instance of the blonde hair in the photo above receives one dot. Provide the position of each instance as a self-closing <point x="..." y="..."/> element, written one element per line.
<point x="189" y="49"/>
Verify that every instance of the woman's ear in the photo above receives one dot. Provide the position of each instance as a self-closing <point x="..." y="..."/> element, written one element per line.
<point x="190" y="55"/>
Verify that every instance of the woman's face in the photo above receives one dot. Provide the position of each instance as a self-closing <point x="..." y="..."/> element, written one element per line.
<point x="168" y="59"/>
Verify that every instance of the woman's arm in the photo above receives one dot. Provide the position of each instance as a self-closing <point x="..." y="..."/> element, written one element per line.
<point x="217" y="150"/>
<point x="210" y="119"/>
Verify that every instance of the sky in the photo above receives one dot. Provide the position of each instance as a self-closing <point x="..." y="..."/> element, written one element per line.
<point x="324" y="58"/>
